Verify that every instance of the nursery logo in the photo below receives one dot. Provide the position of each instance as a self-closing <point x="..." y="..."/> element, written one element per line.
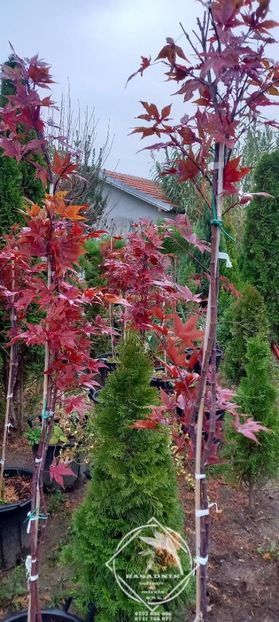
<point x="163" y="562"/>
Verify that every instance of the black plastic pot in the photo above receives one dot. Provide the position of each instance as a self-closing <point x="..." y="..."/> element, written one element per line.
<point x="14" y="540"/>
<point x="161" y="383"/>
<point x="110" y="366"/>
<point x="53" y="615"/>
<point x="219" y="355"/>
<point x="93" y="395"/>
<point x="69" y="481"/>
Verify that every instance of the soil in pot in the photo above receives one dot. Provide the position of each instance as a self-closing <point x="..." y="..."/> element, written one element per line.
<point x="14" y="540"/>
<point x="17" y="488"/>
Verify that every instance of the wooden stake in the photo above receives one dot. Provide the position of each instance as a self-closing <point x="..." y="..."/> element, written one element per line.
<point x="201" y="501"/>
<point x="37" y="502"/>
<point x="9" y="396"/>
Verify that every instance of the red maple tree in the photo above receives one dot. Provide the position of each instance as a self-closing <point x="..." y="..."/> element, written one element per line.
<point x="230" y="80"/>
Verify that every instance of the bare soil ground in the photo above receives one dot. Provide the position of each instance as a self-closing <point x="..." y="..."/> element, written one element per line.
<point x="244" y="552"/>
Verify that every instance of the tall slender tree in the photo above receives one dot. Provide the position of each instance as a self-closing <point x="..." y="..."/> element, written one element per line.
<point x="227" y="75"/>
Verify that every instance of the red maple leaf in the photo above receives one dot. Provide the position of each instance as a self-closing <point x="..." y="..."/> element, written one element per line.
<point x="145" y="62"/>
<point x="233" y="174"/>
<point x="62" y="165"/>
<point x="144" y="424"/>
<point x="170" y="51"/>
<point x="188" y="331"/>
<point x="186" y="169"/>
<point x="76" y="403"/>
<point x="59" y="470"/>
<point x="250" y="428"/>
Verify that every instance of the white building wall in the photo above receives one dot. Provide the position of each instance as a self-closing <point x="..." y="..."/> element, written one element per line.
<point x="123" y="209"/>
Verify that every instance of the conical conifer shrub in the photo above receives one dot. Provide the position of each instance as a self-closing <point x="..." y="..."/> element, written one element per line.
<point x="133" y="480"/>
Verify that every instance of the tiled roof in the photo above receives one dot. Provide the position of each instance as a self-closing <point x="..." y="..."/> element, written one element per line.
<point x="140" y="185"/>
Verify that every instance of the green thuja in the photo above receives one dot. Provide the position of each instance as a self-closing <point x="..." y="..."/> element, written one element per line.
<point x="249" y="462"/>
<point x="245" y="318"/>
<point x="260" y="254"/>
<point x="133" y="480"/>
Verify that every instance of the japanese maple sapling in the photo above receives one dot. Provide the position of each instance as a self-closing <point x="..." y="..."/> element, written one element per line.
<point x="227" y="75"/>
<point x="49" y="247"/>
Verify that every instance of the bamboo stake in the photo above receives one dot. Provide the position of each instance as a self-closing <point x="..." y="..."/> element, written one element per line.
<point x="201" y="502"/>
<point x="34" y="612"/>
<point x="198" y="465"/>
<point x="9" y="396"/>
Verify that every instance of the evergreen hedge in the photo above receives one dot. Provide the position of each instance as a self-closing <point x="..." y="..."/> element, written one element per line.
<point x="249" y="462"/>
<point x="246" y="317"/>
<point x="260" y="255"/>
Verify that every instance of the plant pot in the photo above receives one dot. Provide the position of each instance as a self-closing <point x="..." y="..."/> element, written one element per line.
<point x="14" y="540"/>
<point x="219" y="356"/>
<point x="161" y="383"/>
<point x="93" y="395"/>
<point x="69" y="481"/>
<point x="110" y="365"/>
<point x="50" y="615"/>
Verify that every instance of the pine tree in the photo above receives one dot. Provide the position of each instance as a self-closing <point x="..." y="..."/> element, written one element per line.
<point x="249" y="462"/>
<point x="260" y="256"/>
<point x="246" y="317"/>
<point x="133" y="480"/>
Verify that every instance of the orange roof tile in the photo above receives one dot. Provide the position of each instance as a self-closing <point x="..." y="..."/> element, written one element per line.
<point x="139" y="183"/>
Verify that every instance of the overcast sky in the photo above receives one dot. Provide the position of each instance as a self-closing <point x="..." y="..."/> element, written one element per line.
<point x="97" y="44"/>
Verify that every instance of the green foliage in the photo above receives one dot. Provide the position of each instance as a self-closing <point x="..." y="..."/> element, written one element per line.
<point x="91" y="263"/>
<point x="58" y="437"/>
<point x="55" y="504"/>
<point x="260" y="256"/>
<point x="24" y="182"/>
<point x="133" y="480"/>
<point x="11" y="200"/>
<point x="183" y="196"/>
<point x="12" y="589"/>
<point x="258" y="142"/>
<point x="249" y="462"/>
<point x="246" y="317"/>
<point x="33" y="436"/>
<point x="31" y="187"/>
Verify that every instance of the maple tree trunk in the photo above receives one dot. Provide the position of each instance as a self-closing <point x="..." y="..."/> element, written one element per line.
<point x="209" y="351"/>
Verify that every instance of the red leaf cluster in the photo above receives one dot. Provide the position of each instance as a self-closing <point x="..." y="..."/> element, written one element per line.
<point x="230" y="80"/>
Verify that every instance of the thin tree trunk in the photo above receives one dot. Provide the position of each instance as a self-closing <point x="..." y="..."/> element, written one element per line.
<point x="209" y="350"/>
